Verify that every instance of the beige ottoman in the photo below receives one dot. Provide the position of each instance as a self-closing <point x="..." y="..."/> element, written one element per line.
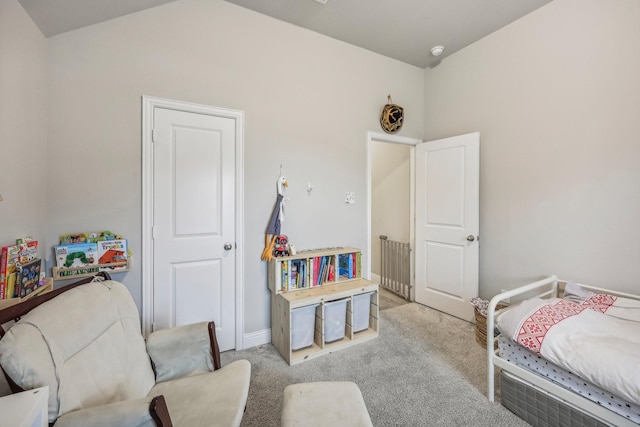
<point x="324" y="404"/>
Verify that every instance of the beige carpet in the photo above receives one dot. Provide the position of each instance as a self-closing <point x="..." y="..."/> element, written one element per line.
<point x="424" y="369"/>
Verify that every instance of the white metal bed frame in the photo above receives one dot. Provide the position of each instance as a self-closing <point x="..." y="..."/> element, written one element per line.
<point x="546" y="288"/>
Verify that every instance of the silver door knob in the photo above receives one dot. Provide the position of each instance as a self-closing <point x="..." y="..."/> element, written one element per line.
<point x="470" y="238"/>
<point x="228" y="246"/>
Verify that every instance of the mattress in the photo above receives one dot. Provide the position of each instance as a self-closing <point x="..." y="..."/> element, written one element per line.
<point x="518" y="355"/>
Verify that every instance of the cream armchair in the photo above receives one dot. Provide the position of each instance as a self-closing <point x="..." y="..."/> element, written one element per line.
<point x="85" y="343"/>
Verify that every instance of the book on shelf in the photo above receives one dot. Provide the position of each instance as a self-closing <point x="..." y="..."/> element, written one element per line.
<point x="326" y="266"/>
<point x="294" y="274"/>
<point x="349" y="265"/>
<point x="10" y="289"/>
<point x="76" y="256"/>
<point x="302" y="274"/>
<point x="316" y="267"/>
<point x="298" y="278"/>
<point x="310" y="272"/>
<point x="331" y="275"/>
<point x="111" y="252"/>
<point x="28" y="277"/>
<point x="345" y="265"/>
<point x="73" y="238"/>
<point x="322" y="270"/>
<point x="11" y="257"/>
<point x="284" y="275"/>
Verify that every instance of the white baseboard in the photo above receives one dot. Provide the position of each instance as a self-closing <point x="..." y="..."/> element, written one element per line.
<point x="257" y="338"/>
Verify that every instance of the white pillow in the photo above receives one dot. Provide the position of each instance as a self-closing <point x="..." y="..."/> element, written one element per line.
<point x="510" y="320"/>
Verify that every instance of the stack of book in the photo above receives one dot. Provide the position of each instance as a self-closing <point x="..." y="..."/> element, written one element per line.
<point x="20" y="269"/>
<point x="349" y="265"/>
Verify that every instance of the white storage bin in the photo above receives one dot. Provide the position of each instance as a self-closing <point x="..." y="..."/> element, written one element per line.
<point x="360" y="307"/>
<point x="335" y="316"/>
<point x="303" y="325"/>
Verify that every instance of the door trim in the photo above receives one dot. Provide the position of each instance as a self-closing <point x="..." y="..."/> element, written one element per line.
<point x="148" y="105"/>
<point x="384" y="137"/>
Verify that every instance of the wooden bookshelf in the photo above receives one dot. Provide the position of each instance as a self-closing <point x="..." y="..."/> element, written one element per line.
<point x="47" y="287"/>
<point x="61" y="273"/>
<point x="284" y="302"/>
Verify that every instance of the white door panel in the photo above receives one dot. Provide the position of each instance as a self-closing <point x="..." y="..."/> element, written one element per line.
<point x="197" y="160"/>
<point x="194" y="216"/>
<point x="447" y="213"/>
<point x="201" y="278"/>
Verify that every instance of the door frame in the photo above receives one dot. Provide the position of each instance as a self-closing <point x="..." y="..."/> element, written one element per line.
<point x="148" y="105"/>
<point x="394" y="139"/>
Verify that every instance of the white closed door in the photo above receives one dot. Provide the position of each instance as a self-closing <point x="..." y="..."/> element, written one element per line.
<point x="194" y="221"/>
<point x="447" y="224"/>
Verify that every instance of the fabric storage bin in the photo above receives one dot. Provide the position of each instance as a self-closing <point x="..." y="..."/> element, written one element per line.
<point x="360" y="307"/>
<point x="335" y="315"/>
<point x="303" y="322"/>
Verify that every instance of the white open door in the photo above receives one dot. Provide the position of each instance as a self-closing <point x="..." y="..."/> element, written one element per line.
<point x="447" y="224"/>
<point x="193" y="202"/>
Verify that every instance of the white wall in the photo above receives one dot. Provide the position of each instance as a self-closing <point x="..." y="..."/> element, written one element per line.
<point x="23" y="126"/>
<point x="556" y="98"/>
<point x="390" y="196"/>
<point x="308" y="100"/>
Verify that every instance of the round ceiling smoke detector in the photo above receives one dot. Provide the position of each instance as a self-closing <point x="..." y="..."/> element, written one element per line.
<point x="437" y="50"/>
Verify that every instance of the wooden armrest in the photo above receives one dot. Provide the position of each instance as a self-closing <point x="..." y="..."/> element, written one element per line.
<point x="215" y="350"/>
<point x="159" y="412"/>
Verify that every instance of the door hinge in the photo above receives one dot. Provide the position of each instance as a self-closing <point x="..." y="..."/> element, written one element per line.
<point x="153" y="135"/>
<point x="153" y="231"/>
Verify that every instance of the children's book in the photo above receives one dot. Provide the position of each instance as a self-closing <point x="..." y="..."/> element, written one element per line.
<point x="344" y="265"/>
<point x="294" y="274"/>
<point x="321" y="269"/>
<point x="284" y="279"/>
<point x="111" y="252"/>
<point x="302" y="274"/>
<point x="28" y="278"/>
<point x="316" y="270"/>
<point x="80" y="255"/>
<point x="73" y="238"/>
<point x="28" y="251"/>
<point x="10" y="289"/>
<point x="331" y="274"/>
<point x="8" y="258"/>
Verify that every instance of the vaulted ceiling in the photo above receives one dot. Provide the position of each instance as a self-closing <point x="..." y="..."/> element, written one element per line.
<point x="405" y="30"/>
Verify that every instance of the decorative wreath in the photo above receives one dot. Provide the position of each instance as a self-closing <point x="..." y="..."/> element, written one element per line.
<point x="391" y="117"/>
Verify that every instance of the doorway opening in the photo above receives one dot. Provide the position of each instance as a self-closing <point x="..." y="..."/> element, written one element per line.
<point x="390" y="213"/>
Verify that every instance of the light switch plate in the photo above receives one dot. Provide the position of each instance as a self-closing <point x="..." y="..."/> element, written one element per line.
<point x="350" y="198"/>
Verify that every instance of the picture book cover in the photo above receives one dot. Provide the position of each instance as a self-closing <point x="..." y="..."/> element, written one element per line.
<point x="111" y="252"/>
<point x="28" y="278"/>
<point x="28" y="251"/>
<point x="74" y="256"/>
